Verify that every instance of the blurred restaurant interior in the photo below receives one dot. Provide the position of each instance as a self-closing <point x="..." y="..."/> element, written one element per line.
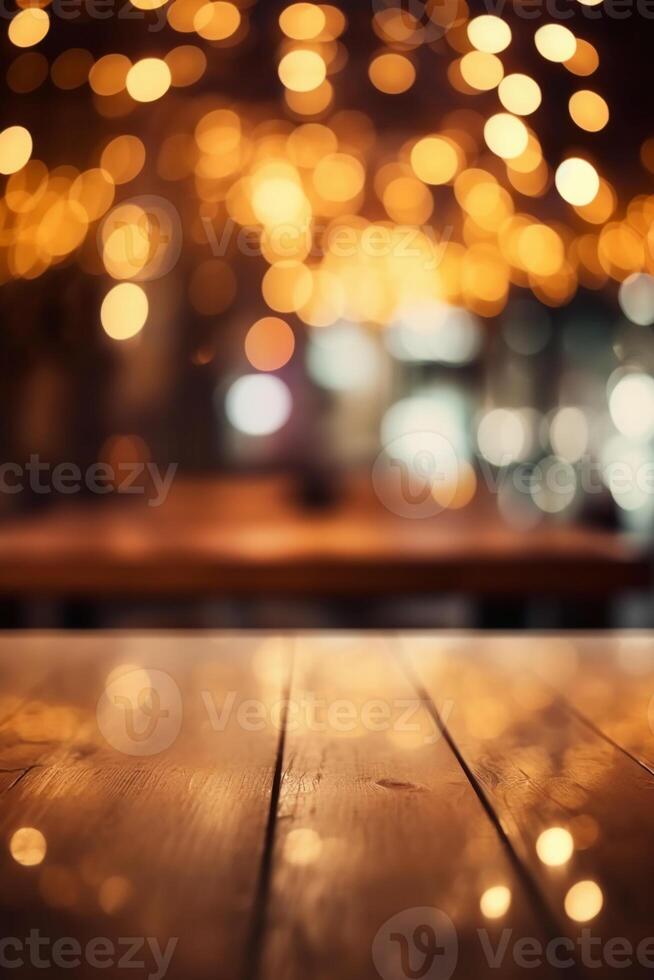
<point x="326" y="314"/>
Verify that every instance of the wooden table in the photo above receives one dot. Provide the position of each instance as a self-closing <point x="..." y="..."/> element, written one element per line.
<point x="239" y="537"/>
<point x="329" y="805"/>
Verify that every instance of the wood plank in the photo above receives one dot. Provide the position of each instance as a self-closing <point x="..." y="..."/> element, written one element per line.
<point x="378" y="823"/>
<point x="541" y="767"/>
<point x="610" y="682"/>
<point x="158" y="845"/>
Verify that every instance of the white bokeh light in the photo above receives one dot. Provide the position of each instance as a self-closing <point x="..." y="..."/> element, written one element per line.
<point x="636" y="298"/>
<point x="631" y="404"/>
<point x="258" y="404"/>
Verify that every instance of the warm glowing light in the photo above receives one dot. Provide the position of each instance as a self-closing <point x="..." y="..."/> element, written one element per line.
<point x="481" y="70"/>
<point x="584" y="61"/>
<point x="495" y="902"/>
<point x="555" y="846"/>
<point x="108" y="75"/>
<point x="123" y="158"/>
<point x="15" y="149"/>
<point x="113" y="893"/>
<point x="339" y="177"/>
<point x="489" y="33"/>
<point x="287" y="286"/>
<point x="124" y="311"/>
<point x="408" y="201"/>
<point x="278" y="197"/>
<point x="27" y="846"/>
<point x="187" y="64"/>
<point x="435" y="160"/>
<point x="217" y="21"/>
<point x="302" y="71"/>
<point x="584" y="901"/>
<point x="269" y="344"/>
<point x="555" y="42"/>
<point x="302" y="21"/>
<point x="71" y="69"/>
<point x="258" y="404"/>
<point x="148" y="79"/>
<point x="506" y="135"/>
<point x="519" y="94"/>
<point x="28" y="27"/>
<point x="589" y="110"/>
<point x="302" y="846"/>
<point x="392" y="73"/>
<point x="577" y="181"/>
<point x="541" y="250"/>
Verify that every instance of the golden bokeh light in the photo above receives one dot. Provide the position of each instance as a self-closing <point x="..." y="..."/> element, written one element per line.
<point x="15" y="149"/>
<point x="588" y="110"/>
<point x="495" y="902"/>
<point x="481" y="70"/>
<point x="339" y="177"/>
<point x="506" y="135"/>
<point x="109" y="74"/>
<point x="584" y="901"/>
<point x="519" y="94"/>
<point x="555" y="42"/>
<point x="124" y="311"/>
<point x="187" y="64"/>
<point x="148" y="80"/>
<point x="123" y="157"/>
<point x="71" y="69"/>
<point x="302" y="70"/>
<point x="302" y="847"/>
<point x="269" y="344"/>
<point x="28" y="27"/>
<point x="555" y="846"/>
<point x="392" y="73"/>
<point x="217" y="20"/>
<point x="435" y="160"/>
<point x="489" y="33"/>
<point x="577" y="181"/>
<point x="585" y="59"/>
<point x="303" y="21"/>
<point x="287" y="286"/>
<point x="408" y="201"/>
<point x="27" y="846"/>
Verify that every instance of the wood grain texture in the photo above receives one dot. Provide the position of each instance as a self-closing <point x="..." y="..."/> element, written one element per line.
<point x="377" y="822"/>
<point x="541" y="766"/>
<point x="156" y="845"/>
<point x="303" y="804"/>
<point x="610" y="682"/>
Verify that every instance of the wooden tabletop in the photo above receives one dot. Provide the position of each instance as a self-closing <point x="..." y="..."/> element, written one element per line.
<point x="346" y="807"/>
<point x="241" y="537"/>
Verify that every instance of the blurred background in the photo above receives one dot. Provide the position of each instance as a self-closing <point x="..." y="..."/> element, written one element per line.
<point x="322" y="314"/>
